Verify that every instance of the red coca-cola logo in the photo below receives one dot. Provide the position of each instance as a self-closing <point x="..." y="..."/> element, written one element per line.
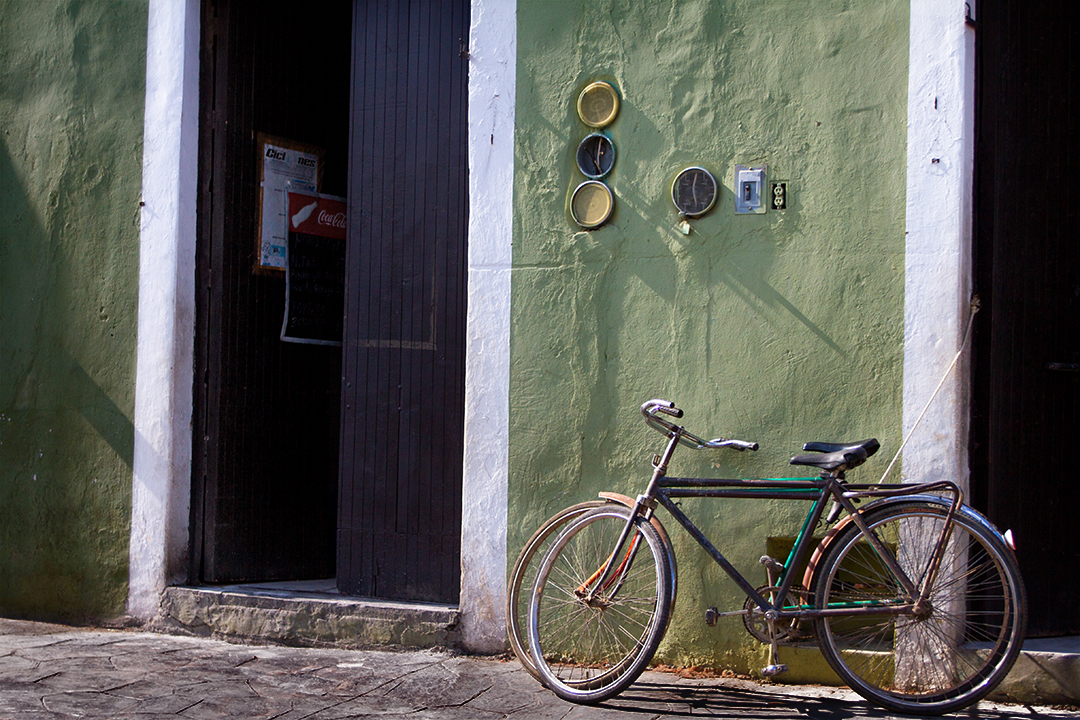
<point x="318" y="215"/>
<point x="334" y="220"/>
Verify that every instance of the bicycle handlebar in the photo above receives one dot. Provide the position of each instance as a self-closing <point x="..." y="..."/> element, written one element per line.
<point x="650" y="409"/>
<point x="665" y="406"/>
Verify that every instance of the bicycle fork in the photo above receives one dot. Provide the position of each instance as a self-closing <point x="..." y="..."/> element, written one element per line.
<point x="609" y="575"/>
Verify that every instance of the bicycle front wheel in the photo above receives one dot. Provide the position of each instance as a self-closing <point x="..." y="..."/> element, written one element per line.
<point x="590" y="642"/>
<point x="936" y="659"/>
<point x="523" y="576"/>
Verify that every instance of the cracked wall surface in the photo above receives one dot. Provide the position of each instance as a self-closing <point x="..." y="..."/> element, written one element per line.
<point x="779" y="328"/>
<point x="71" y="107"/>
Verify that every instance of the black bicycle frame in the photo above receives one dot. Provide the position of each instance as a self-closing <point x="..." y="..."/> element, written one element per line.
<point x="665" y="490"/>
<point x="783" y="489"/>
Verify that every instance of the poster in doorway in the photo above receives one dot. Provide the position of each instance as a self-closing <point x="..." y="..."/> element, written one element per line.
<point x="282" y="163"/>
<point x="314" y="269"/>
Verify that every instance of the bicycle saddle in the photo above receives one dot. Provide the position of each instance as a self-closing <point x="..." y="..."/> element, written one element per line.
<point x="837" y="456"/>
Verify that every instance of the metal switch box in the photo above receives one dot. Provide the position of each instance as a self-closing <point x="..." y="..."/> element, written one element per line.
<point x="749" y="184"/>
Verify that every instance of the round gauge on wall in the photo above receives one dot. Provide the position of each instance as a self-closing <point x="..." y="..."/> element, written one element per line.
<point x="598" y="104"/>
<point x="591" y="204"/>
<point x="595" y="156"/>
<point x="694" y="191"/>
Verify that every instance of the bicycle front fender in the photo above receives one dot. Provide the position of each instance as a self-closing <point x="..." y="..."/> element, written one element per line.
<point x="629" y="502"/>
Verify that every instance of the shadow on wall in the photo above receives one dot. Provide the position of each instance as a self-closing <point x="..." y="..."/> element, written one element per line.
<point x="29" y="352"/>
<point x="66" y="447"/>
<point x="100" y="411"/>
<point x="21" y="285"/>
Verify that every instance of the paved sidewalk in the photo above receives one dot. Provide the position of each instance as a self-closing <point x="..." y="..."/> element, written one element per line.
<point x="52" y="671"/>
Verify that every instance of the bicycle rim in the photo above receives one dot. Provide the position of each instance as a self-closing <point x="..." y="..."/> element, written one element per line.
<point x="938" y="662"/>
<point x="523" y="576"/>
<point x="588" y="650"/>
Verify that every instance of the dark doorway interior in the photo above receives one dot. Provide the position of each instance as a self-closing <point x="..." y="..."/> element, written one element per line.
<point x="1026" y="414"/>
<point x="267" y="412"/>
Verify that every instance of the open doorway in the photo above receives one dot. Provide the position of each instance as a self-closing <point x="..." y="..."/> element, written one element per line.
<point x="318" y="461"/>
<point x="1026" y="385"/>
<point x="266" y="412"/>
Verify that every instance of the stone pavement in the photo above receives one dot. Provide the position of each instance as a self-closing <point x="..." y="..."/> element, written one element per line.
<point x="52" y="671"/>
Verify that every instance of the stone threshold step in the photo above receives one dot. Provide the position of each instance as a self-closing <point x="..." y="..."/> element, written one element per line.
<point x="309" y="614"/>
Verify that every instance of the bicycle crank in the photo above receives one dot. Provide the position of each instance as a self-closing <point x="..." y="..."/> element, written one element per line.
<point x="787" y="631"/>
<point x="775" y="667"/>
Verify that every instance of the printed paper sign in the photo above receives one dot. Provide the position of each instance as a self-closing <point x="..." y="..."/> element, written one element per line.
<point x="283" y="168"/>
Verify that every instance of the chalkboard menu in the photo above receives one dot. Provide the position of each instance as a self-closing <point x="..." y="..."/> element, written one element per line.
<point x="315" y="269"/>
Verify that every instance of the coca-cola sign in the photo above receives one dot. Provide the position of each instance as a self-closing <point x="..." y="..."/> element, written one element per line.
<point x="334" y="220"/>
<point x="322" y="215"/>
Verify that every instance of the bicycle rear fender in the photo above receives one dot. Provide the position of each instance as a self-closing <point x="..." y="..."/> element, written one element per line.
<point x="878" y="505"/>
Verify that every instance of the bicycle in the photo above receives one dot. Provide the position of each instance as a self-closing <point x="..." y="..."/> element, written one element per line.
<point x="915" y="599"/>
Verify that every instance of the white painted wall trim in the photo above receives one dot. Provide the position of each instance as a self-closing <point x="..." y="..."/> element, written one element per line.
<point x="492" y="84"/>
<point x="941" y="102"/>
<point x="161" y="492"/>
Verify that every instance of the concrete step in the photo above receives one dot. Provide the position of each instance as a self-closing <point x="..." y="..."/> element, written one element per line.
<point x="308" y="614"/>
<point x="1046" y="673"/>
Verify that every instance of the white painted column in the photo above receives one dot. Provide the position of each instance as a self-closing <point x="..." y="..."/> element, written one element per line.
<point x="941" y="101"/>
<point x="161" y="492"/>
<point x="492" y="68"/>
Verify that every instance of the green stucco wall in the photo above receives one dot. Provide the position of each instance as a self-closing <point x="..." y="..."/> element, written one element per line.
<point x="779" y="328"/>
<point x="72" y="85"/>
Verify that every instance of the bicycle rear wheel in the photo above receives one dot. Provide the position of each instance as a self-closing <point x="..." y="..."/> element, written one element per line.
<point x="589" y="643"/>
<point x="939" y="660"/>
<point x="523" y="576"/>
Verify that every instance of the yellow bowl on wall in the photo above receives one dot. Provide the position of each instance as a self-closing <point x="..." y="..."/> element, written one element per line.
<point x="598" y="104"/>
<point x="591" y="204"/>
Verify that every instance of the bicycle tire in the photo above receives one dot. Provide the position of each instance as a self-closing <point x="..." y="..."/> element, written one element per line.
<point x="524" y="571"/>
<point x="589" y="651"/>
<point x="524" y="574"/>
<point x="955" y="654"/>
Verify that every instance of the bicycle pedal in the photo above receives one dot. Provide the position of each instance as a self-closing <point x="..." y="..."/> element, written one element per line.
<point x="774" y="670"/>
<point x="771" y="563"/>
<point x="711" y="615"/>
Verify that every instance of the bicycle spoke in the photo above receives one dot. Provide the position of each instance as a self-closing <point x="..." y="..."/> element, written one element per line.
<point x="945" y="651"/>
<point x="595" y="639"/>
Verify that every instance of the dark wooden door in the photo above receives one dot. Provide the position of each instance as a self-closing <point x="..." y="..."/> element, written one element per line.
<point x="266" y="421"/>
<point x="1026" y="414"/>
<point x="404" y="359"/>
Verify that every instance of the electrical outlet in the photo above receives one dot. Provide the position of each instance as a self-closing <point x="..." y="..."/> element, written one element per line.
<point x="778" y="196"/>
